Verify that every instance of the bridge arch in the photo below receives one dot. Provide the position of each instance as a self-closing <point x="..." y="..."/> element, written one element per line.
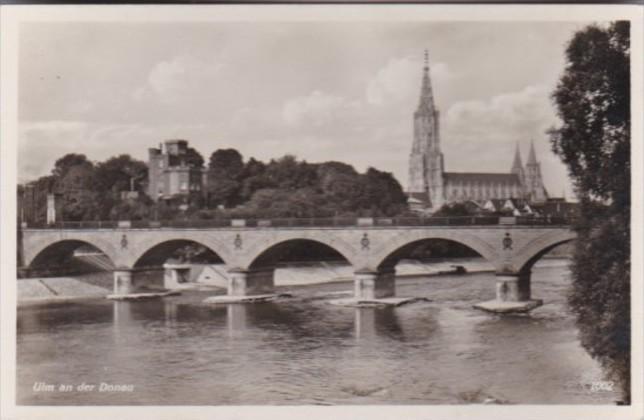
<point x="166" y="244"/>
<point x="538" y="247"/>
<point x="387" y="255"/>
<point x="49" y="251"/>
<point x="263" y="252"/>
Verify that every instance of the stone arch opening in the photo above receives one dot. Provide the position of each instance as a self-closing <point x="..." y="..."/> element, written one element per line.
<point x="69" y="257"/>
<point x="179" y="251"/>
<point x="297" y="251"/>
<point x="175" y="262"/>
<point x="527" y="263"/>
<point x="429" y="250"/>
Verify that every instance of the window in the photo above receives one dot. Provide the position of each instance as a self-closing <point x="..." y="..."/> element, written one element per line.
<point x="184" y="186"/>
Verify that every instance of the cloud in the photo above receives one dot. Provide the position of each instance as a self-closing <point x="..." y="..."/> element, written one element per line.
<point x="503" y="119"/>
<point x="178" y="78"/>
<point x="399" y="80"/>
<point x="316" y="109"/>
<point x="480" y="135"/>
<point x="43" y="142"/>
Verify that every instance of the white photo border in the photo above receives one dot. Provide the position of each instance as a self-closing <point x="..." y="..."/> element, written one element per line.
<point x="13" y="15"/>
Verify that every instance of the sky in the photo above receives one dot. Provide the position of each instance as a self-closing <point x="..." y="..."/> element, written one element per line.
<point x="319" y="91"/>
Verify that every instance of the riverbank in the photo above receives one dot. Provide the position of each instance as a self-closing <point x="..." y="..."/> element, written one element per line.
<point x="98" y="285"/>
<point x="60" y="289"/>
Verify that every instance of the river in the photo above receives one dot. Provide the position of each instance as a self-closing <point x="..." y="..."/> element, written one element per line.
<point x="301" y="350"/>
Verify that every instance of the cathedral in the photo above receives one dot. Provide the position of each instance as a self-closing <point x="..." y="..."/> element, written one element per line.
<point x="430" y="187"/>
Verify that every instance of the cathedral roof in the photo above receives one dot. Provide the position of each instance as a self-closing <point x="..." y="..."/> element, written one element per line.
<point x="484" y="177"/>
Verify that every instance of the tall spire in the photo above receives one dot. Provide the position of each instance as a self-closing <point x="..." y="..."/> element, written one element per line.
<point x="517" y="164"/>
<point x="532" y="157"/>
<point x="426" y="95"/>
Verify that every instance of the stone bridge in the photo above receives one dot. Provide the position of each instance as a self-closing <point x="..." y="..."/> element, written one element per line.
<point x="250" y="253"/>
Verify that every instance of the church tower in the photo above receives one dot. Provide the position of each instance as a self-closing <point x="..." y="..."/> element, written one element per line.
<point x="535" y="190"/>
<point x="517" y="168"/>
<point x="426" y="160"/>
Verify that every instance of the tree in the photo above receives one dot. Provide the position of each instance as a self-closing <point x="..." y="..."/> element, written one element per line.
<point x="118" y="173"/>
<point x="68" y="161"/>
<point x="224" y="171"/>
<point x="289" y="174"/>
<point x="227" y="163"/>
<point x="79" y="198"/>
<point x="193" y="158"/>
<point x="593" y="102"/>
<point x="453" y="210"/>
<point x="341" y="185"/>
<point x="253" y="179"/>
<point x="382" y="194"/>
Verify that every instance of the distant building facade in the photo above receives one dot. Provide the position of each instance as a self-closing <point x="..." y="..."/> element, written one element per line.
<point x="430" y="186"/>
<point x="171" y="173"/>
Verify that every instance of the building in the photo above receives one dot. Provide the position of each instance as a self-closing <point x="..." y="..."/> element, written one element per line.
<point x="430" y="186"/>
<point x="173" y="172"/>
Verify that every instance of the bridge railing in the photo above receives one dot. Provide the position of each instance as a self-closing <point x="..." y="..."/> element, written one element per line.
<point x="310" y="222"/>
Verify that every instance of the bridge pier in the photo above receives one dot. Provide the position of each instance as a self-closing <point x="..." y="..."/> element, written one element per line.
<point x="123" y="281"/>
<point x="374" y="284"/>
<point x="248" y="286"/>
<point x="126" y="287"/>
<point x="374" y="287"/>
<point x="512" y="294"/>
<point x="251" y="282"/>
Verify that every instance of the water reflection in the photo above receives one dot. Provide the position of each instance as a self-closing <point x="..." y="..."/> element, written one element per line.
<point x="121" y="316"/>
<point x="370" y="322"/>
<point x="237" y="320"/>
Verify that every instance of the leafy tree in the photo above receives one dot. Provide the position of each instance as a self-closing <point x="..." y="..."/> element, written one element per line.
<point x="79" y="198"/>
<point x="382" y="194"/>
<point x="341" y="185"/>
<point x="138" y="209"/>
<point x="289" y="174"/>
<point x="224" y="170"/>
<point x="117" y="173"/>
<point x="193" y="158"/>
<point x="453" y="210"/>
<point x="227" y="163"/>
<point x="253" y="178"/>
<point x="593" y="102"/>
<point x="68" y="161"/>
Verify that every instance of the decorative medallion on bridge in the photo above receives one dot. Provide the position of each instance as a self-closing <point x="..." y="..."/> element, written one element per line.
<point x="365" y="242"/>
<point x="238" y="241"/>
<point x="507" y="241"/>
<point x="124" y="241"/>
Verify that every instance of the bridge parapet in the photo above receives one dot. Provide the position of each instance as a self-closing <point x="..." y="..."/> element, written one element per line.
<point x="333" y="222"/>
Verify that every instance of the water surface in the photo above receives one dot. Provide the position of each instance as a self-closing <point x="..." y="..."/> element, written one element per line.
<point x="302" y="350"/>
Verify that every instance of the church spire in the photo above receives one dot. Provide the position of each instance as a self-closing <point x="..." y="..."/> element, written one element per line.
<point x="426" y="95"/>
<point x="532" y="157"/>
<point x="517" y="164"/>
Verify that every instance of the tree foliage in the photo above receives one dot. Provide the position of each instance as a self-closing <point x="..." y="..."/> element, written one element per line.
<point x="284" y="187"/>
<point x="118" y="173"/>
<point x="288" y="187"/>
<point x="79" y="197"/>
<point x="68" y="161"/>
<point x="224" y="170"/>
<point x="593" y="102"/>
